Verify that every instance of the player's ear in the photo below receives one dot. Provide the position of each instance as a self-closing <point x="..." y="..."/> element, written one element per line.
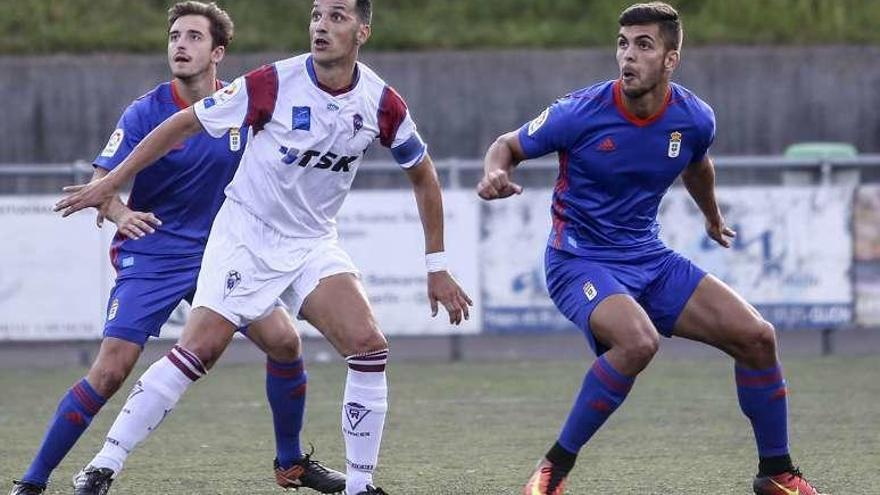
<point x="673" y="57"/>
<point x="218" y="53"/>
<point x="363" y="34"/>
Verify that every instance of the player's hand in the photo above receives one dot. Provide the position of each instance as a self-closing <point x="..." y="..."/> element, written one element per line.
<point x="719" y="232"/>
<point x="91" y="195"/>
<point x="443" y="289"/>
<point x="497" y="185"/>
<point x="135" y="224"/>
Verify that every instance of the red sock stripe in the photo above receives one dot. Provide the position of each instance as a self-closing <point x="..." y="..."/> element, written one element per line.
<point x="182" y="367"/>
<point x="610" y="380"/>
<point x="86" y="400"/>
<point x="288" y="373"/>
<point x="752" y="379"/>
<point x="192" y="358"/>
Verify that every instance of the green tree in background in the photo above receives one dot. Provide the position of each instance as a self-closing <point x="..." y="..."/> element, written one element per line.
<point x="77" y="26"/>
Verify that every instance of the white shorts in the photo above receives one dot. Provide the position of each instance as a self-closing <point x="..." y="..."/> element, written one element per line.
<point x="249" y="268"/>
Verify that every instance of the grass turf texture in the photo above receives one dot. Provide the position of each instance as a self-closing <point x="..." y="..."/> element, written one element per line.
<point x="479" y="429"/>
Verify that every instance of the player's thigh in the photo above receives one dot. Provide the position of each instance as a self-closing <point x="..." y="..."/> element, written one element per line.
<point x="137" y="308"/>
<point x="339" y="309"/>
<point x="717" y="315"/>
<point x="579" y="287"/>
<point x="674" y="280"/>
<point x="276" y="336"/>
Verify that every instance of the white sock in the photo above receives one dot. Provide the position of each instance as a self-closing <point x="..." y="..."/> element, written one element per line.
<point x="152" y="398"/>
<point x="363" y="417"/>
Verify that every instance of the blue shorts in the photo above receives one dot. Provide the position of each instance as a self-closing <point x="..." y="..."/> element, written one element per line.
<point x="661" y="284"/>
<point x="138" y="307"/>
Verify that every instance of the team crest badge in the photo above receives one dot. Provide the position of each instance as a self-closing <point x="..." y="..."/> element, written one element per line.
<point x="233" y="278"/>
<point x="674" y="145"/>
<point x="355" y="413"/>
<point x="357" y="123"/>
<point x="114" y="307"/>
<point x="590" y="291"/>
<point x="234" y="139"/>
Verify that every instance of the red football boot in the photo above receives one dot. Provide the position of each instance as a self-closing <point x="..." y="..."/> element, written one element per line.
<point x="790" y="483"/>
<point x="547" y="480"/>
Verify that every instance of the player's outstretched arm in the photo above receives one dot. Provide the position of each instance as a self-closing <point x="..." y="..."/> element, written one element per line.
<point x="501" y="157"/>
<point x="157" y="144"/>
<point x="442" y="287"/>
<point x="699" y="180"/>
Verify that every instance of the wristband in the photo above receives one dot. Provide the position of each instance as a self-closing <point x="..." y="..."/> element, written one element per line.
<point x="436" y="262"/>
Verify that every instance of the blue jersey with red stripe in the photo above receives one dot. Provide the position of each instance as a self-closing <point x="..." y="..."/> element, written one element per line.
<point x="614" y="167"/>
<point x="184" y="189"/>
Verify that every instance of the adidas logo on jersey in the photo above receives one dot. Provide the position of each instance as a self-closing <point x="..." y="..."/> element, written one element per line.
<point x="328" y="160"/>
<point x="606" y="145"/>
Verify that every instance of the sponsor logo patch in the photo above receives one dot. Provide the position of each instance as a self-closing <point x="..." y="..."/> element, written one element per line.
<point x="355" y="413"/>
<point x="113" y="143"/>
<point x="302" y="118"/>
<point x="539" y="121"/>
<point x="234" y="139"/>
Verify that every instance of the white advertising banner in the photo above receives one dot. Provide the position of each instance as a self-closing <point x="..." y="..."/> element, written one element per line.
<point x="791" y="259"/>
<point x="513" y="239"/>
<point x="866" y="223"/>
<point x="382" y="232"/>
<point x="53" y="274"/>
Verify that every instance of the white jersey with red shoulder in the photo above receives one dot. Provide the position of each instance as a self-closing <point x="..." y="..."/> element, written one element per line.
<point x="306" y="141"/>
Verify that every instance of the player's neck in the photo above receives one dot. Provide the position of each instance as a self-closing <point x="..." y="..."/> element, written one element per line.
<point x="336" y="76"/>
<point x="195" y="88"/>
<point x="649" y="103"/>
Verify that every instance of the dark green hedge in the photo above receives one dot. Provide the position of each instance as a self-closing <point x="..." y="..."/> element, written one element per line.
<point x="48" y="26"/>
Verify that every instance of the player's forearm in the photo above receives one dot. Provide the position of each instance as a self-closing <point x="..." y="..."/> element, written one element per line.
<point x="157" y="144"/>
<point x="429" y="199"/>
<point x="500" y="156"/>
<point x="116" y="207"/>
<point x="700" y="184"/>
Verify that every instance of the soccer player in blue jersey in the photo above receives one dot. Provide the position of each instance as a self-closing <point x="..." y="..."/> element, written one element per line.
<point x="621" y="144"/>
<point x="158" y="263"/>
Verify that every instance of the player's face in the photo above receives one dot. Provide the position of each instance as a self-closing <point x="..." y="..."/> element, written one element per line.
<point x="190" y="47"/>
<point x="643" y="59"/>
<point x="336" y="31"/>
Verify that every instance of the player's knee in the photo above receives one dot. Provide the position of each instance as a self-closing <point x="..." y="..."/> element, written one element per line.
<point x="757" y="344"/>
<point x="364" y="342"/>
<point x="106" y="378"/>
<point x="641" y="348"/>
<point x="287" y="348"/>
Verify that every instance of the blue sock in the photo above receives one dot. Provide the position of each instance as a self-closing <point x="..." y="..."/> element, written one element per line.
<point x="75" y="411"/>
<point x="762" y="398"/>
<point x="603" y="390"/>
<point x="286" y="390"/>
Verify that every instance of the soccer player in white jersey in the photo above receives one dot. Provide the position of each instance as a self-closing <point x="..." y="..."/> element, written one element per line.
<point x="273" y="242"/>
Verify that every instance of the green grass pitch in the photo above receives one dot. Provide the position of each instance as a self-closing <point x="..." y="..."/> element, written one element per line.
<point x="470" y="428"/>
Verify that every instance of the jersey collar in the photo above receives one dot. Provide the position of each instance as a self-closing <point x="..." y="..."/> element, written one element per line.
<point x="310" y="68"/>
<point x="618" y="102"/>
<point x="178" y="99"/>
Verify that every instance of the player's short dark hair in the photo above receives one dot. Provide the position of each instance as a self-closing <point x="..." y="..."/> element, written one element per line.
<point x="364" y="10"/>
<point x="660" y="13"/>
<point x="222" y="27"/>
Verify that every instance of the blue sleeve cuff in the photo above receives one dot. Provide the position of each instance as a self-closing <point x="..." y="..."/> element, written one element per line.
<point x="410" y="150"/>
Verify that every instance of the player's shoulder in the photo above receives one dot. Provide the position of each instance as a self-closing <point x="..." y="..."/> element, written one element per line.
<point x="585" y="101"/>
<point x="150" y="105"/>
<point x="691" y="103"/>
